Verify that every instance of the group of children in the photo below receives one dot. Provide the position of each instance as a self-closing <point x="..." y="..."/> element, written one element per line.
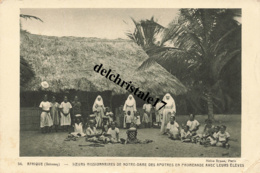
<point x="211" y="136"/>
<point x="55" y="115"/>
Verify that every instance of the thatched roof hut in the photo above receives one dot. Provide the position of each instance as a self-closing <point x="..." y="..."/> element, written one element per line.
<point x="67" y="63"/>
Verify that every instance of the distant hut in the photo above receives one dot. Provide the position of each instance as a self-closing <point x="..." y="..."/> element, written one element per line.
<point x="67" y="63"/>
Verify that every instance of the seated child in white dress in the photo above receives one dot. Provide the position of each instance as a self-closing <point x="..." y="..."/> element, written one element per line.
<point x="92" y="133"/>
<point x="173" y="129"/>
<point x="213" y="136"/>
<point x="78" y="127"/>
<point x="209" y="127"/>
<point x="222" y="137"/>
<point x="113" y="133"/>
<point x="185" y="134"/>
<point x="105" y="127"/>
<point x="193" y="124"/>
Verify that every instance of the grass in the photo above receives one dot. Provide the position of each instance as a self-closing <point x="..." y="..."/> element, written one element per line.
<point x="53" y="144"/>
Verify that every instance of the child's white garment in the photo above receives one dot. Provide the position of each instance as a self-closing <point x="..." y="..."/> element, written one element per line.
<point x="185" y="134"/>
<point x="173" y="128"/>
<point x="222" y="137"/>
<point x="192" y="124"/>
<point x="65" y="120"/>
<point x="78" y="129"/>
<point x="138" y="120"/>
<point x="112" y="132"/>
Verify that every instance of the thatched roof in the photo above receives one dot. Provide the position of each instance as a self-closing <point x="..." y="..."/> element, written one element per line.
<point x="68" y="62"/>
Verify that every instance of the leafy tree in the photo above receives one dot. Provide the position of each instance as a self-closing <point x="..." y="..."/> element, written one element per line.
<point x="202" y="42"/>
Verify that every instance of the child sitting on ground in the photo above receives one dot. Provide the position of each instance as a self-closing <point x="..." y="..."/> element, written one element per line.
<point x="105" y="127"/>
<point x="208" y="129"/>
<point x="78" y="126"/>
<point x="222" y="137"/>
<point x="137" y="120"/>
<point x="173" y="129"/>
<point x="185" y="134"/>
<point x="92" y="133"/>
<point x="113" y="133"/>
<point x="193" y="124"/>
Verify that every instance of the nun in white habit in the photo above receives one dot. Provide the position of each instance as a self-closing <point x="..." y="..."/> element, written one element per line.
<point x="168" y="109"/>
<point x="130" y="105"/>
<point x="98" y="109"/>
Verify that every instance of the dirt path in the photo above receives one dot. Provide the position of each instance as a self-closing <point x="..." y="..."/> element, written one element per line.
<point x="34" y="143"/>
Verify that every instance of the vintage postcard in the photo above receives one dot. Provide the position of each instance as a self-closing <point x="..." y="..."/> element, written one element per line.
<point x="117" y="86"/>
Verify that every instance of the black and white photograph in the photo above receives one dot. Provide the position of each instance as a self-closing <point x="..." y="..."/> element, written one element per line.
<point x="130" y="82"/>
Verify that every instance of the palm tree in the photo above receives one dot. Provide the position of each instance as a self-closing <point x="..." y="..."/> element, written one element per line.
<point x="203" y="41"/>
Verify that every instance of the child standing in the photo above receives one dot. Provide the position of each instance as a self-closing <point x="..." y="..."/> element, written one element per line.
<point x="222" y="137"/>
<point x="128" y="119"/>
<point x="137" y="120"/>
<point x="65" y="108"/>
<point x="159" y="113"/>
<point x="110" y="115"/>
<point x="193" y="124"/>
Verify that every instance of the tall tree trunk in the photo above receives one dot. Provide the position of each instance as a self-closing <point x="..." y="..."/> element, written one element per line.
<point x="210" y="104"/>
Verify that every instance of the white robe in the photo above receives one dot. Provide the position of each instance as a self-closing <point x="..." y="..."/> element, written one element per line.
<point x="130" y="105"/>
<point x="169" y="107"/>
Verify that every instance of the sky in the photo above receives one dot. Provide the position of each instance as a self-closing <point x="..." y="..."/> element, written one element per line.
<point x="91" y="22"/>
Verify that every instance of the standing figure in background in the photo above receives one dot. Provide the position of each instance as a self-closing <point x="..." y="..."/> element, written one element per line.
<point x="159" y="113"/>
<point x="147" y="118"/>
<point x="76" y="109"/>
<point x="46" y="121"/>
<point x="137" y="120"/>
<point x="99" y="109"/>
<point x="110" y="115"/>
<point x="55" y="113"/>
<point x="65" y="120"/>
<point x="168" y="108"/>
<point x="130" y="105"/>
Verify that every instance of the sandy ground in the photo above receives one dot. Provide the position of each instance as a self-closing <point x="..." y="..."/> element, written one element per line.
<point x="33" y="143"/>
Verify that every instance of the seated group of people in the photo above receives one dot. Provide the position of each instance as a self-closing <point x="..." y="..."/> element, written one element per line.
<point x="211" y="136"/>
<point x="109" y="132"/>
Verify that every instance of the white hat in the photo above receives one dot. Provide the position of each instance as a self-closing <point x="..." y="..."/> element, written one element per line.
<point x="45" y="84"/>
<point x="77" y="115"/>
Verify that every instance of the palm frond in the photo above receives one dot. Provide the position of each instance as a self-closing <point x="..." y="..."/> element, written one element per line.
<point x="25" y="16"/>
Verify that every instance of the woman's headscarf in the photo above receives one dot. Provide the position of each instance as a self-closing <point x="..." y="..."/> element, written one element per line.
<point x="129" y="102"/>
<point x="98" y="102"/>
<point x="169" y="102"/>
